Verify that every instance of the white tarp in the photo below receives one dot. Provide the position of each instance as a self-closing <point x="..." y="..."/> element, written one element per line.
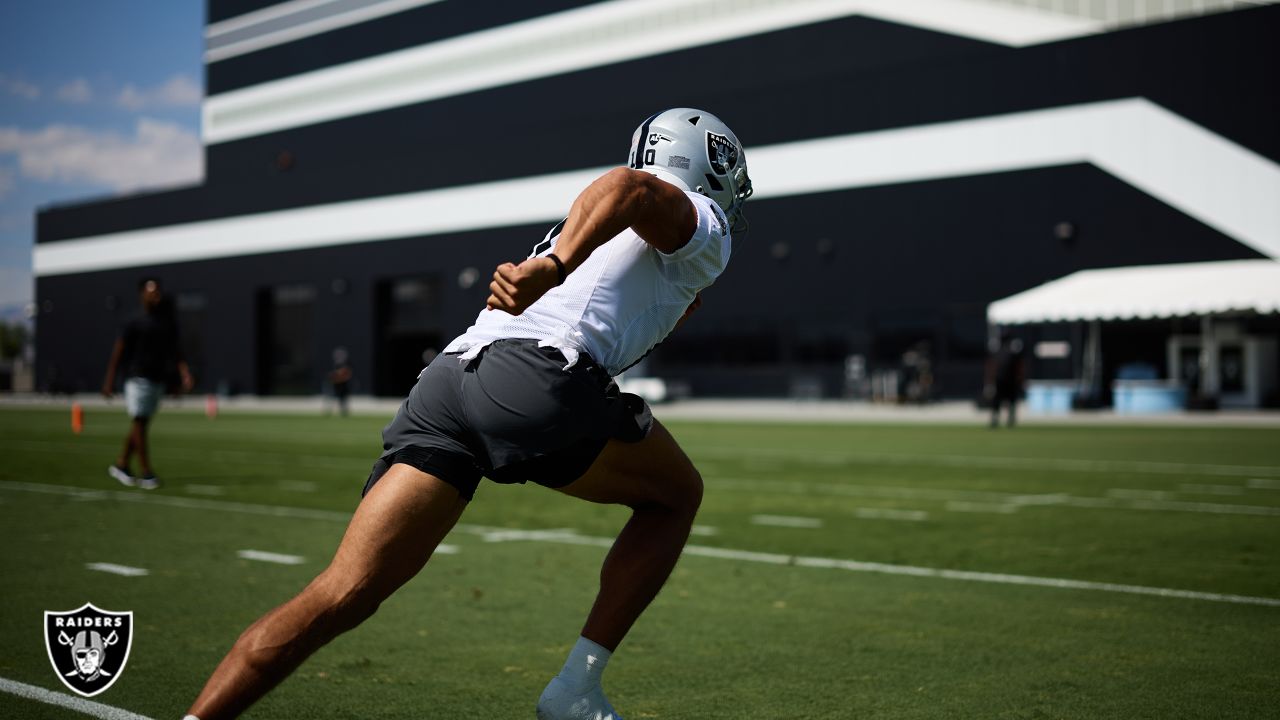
<point x="1151" y="291"/>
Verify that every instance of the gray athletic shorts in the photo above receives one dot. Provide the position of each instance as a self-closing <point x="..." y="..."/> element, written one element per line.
<point x="142" y="397"/>
<point x="512" y="414"/>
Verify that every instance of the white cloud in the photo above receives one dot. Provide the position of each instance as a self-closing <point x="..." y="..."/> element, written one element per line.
<point x="77" y="91"/>
<point x="158" y="154"/>
<point x="15" y="285"/>
<point x="177" y="91"/>
<point x="21" y="88"/>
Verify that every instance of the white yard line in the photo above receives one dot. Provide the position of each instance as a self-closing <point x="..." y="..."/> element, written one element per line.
<point x="704" y="530"/>
<point x="786" y="521"/>
<point x="977" y="507"/>
<point x="1117" y="498"/>
<point x="70" y="702"/>
<point x="891" y="514"/>
<point x="568" y="536"/>
<point x="1263" y="484"/>
<point x="271" y="557"/>
<point x="115" y="569"/>
<point x="1198" y="489"/>
<point x="995" y="462"/>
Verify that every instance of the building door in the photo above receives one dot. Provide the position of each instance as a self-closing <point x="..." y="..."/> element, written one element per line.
<point x="286" y="345"/>
<point x="407" y="331"/>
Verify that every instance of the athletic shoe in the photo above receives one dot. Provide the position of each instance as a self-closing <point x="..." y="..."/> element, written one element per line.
<point x="150" y="482"/>
<point x="122" y="475"/>
<point x="558" y="702"/>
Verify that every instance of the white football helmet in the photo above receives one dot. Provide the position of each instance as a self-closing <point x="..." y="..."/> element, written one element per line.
<point x="695" y="150"/>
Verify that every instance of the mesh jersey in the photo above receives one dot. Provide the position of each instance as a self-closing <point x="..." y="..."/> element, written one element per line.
<point x="620" y="303"/>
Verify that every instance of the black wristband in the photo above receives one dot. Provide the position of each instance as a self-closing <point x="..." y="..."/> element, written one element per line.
<point x="559" y="267"/>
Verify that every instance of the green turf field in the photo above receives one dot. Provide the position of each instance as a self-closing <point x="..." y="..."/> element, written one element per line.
<point x="763" y="618"/>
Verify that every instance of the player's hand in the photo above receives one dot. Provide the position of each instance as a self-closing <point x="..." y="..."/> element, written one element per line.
<point x="516" y="287"/>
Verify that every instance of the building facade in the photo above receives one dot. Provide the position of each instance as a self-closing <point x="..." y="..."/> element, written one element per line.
<point x="369" y="163"/>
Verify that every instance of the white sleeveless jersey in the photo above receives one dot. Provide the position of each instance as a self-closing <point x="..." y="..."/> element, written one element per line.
<point x="615" y="307"/>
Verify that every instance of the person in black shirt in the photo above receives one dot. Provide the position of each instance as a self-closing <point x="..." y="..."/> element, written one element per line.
<point x="148" y="351"/>
<point x="1006" y="375"/>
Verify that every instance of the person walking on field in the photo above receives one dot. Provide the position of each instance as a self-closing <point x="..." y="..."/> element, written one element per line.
<point x="526" y="394"/>
<point x="150" y="354"/>
<point x="1006" y="376"/>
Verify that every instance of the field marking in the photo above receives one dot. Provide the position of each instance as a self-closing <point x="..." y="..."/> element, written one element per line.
<point x="891" y="514"/>
<point x="444" y="549"/>
<point x="115" y="569"/>
<point x="704" y="530"/>
<point x="1128" y="500"/>
<point x="788" y="521"/>
<point x="205" y="490"/>
<point x="264" y="556"/>
<point x="1199" y="489"/>
<point x="1264" y="484"/>
<point x="1130" y="494"/>
<point x="70" y="702"/>
<point x="979" y="507"/>
<point x="1000" y="463"/>
<point x="569" y="536"/>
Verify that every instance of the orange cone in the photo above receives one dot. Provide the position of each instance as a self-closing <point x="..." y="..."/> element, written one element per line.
<point x="77" y="418"/>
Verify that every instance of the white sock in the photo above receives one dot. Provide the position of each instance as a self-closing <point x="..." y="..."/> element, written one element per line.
<point x="585" y="665"/>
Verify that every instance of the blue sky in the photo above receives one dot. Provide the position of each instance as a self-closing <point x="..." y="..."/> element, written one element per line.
<point x="96" y="99"/>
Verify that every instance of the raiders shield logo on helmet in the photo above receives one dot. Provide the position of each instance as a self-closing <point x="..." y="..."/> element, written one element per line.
<point x="88" y="646"/>
<point x="721" y="153"/>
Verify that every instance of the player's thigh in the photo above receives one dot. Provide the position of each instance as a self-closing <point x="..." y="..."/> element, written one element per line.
<point x="395" y="529"/>
<point x="653" y="471"/>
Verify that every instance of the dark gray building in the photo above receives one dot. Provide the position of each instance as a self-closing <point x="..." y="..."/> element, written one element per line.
<point x="369" y="163"/>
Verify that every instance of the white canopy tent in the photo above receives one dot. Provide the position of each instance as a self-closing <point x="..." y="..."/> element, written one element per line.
<point x="1147" y="292"/>
<point x="1205" y="290"/>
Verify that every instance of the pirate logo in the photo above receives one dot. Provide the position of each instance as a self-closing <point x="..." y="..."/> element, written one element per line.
<point x="722" y="153"/>
<point x="88" y="646"/>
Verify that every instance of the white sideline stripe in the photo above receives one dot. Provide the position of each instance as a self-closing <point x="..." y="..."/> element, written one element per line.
<point x="569" y="537"/>
<point x="704" y="530"/>
<point x="587" y="37"/>
<point x="205" y="490"/>
<point x="1196" y="171"/>
<point x="925" y="572"/>
<point x="1264" y="484"/>
<point x="786" y="521"/>
<point x="70" y="702"/>
<point x="115" y="569"/>
<point x="1003" y="463"/>
<point x="278" y="558"/>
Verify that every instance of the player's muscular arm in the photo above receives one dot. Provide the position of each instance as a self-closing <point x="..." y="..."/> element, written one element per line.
<point x="659" y="212"/>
